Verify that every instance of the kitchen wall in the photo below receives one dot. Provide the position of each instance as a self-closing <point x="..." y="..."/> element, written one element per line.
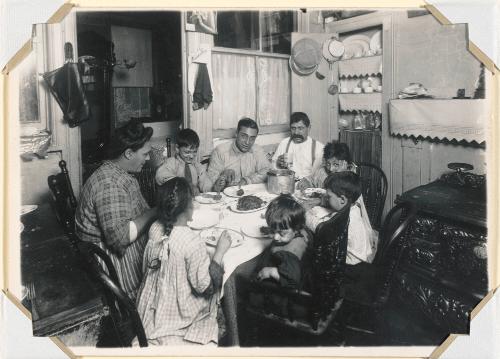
<point x="436" y="56"/>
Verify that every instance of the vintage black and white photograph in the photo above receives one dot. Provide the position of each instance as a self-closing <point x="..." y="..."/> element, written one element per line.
<point x="251" y="179"/>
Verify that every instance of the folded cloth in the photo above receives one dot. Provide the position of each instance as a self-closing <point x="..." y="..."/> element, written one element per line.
<point x="202" y="96"/>
<point x="65" y="84"/>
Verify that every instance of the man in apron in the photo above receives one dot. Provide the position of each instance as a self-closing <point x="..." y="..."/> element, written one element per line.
<point x="298" y="152"/>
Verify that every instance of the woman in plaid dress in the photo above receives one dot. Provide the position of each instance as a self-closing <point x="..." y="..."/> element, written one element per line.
<point x="178" y="297"/>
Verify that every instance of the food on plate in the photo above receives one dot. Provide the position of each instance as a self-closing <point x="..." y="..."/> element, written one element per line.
<point x="313" y="192"/>
<point x="240" y="192"/>
<point x="247" y="203"/>
<point x="212" y="236"/>
<point x="215" y="197"/>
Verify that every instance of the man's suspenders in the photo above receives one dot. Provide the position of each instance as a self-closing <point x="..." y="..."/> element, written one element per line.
<point x="313" y="149"/>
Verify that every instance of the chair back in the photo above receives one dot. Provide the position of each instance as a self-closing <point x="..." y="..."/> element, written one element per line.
<point x="147" y="183"/>
<point x="329" y="260"/>
<point x="64" y="198"/>
<point x="392" y="242"/>
<point x="374" y="191"/>
<point x="126" y="320"/>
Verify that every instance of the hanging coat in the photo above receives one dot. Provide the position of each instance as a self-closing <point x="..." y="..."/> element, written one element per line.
<point x="65" y="84"/>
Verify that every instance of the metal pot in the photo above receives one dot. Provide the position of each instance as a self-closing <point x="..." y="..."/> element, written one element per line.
<point x="281" y="181"/>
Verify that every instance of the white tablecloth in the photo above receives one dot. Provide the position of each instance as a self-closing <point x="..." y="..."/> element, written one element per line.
<point x="251" y="247"/>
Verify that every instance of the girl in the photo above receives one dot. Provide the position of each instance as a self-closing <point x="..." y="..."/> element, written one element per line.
<point x="178" y="298"/>
<point x="336" y="158"/>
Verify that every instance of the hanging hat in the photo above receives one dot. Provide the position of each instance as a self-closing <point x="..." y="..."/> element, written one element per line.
<point x="333" y="49"/>
<point x="305" y="57"/>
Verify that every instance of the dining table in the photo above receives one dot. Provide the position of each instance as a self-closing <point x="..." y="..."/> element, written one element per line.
<point x="243" y="257"/>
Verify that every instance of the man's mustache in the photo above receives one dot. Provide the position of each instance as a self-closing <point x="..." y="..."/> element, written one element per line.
<point x="298" y="136"/>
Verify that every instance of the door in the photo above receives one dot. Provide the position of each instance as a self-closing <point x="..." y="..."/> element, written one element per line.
<point x="310" y="93"/>
<point x="51" y="40"/>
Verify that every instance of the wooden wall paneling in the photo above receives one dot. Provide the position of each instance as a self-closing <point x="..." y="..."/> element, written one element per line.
<point x="395" y="176"/>
<point x="412" y="164"/>
<point x="200" y="120"/>
<point x="334" y="103"/>
<point x="310" y="94"/>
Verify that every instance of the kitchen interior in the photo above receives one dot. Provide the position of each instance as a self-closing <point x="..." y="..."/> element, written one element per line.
<point x="401" y="66"/>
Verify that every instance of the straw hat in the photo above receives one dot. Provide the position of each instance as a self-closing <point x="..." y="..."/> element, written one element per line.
<point x="305" y="57"/>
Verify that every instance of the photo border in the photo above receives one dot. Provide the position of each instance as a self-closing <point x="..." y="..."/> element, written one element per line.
<point x="492" y="148"/>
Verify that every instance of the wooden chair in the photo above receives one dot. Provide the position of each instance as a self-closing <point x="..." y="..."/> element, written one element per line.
<point x="309" y="310"/>
<point x="368" y="285"/>
<point x="124" y="320"/>
<point x="64" y="201"/>
<point x="374" y="191"/>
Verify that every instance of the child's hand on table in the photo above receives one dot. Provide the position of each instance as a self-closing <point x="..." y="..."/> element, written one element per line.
<point x="224" y="242"/>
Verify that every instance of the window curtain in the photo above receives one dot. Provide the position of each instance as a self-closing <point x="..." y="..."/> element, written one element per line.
<point x="273" y="91"/>
<point x="234" y="89"/>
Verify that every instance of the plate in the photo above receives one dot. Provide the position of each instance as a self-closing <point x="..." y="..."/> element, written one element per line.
<point x="207" y="198"/>
<point x="21" y="227"/>
<point x="310" y="193"/>
<point x="356" y="44"/>
<point x="253" y="230"/>
<point x="25" y="209"/>
<point x="233" y="207"/>
<point x="376" y="41"/>
<point x="333" y="49"/>
<point x="211" y="236"/>
<point x="203" y="219"/>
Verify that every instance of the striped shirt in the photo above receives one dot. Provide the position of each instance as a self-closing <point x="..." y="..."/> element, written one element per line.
<point x="175" y="297"/>
<point x="110" y="199"/>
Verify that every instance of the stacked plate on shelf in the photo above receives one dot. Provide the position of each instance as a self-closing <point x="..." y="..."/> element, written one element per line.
<point x="362" y="45"/>
<point x="356" y="46"/>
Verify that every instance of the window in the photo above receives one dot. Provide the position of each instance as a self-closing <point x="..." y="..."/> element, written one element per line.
<point x="266" y="31"/>
<point x="250" y="86"/>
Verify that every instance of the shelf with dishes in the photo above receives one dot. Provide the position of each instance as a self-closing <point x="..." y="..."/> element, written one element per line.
<point x="374" y="57"/>
<point x="360" y="120"/>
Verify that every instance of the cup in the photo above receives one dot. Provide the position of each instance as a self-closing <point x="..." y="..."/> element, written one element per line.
<point x="356" y="90"/>
<point x="368" y="89"/>
<point x="288" y="160"/>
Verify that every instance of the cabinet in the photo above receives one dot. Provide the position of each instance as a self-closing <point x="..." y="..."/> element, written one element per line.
<point x="443" y="271"/>
<point x="364" y="84"/>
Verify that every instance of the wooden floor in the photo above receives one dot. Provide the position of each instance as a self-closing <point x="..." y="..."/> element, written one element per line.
<point x="397" y="329"/>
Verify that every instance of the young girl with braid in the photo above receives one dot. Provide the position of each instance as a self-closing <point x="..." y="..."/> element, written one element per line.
<point x="178" y="297"/>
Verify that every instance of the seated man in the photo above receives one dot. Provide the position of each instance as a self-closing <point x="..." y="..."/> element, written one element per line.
<point x="112" y="211"/>
<point x="238" y="162"/>
<point x="298" y="152"/>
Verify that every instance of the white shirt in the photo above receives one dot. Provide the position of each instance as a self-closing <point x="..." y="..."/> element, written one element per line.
<point x="362" y="240"/>
<point x="301" y="154"/>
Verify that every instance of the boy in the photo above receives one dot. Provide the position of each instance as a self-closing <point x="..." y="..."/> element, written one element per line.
<point x="344" y="189"/>
<point x="185" y="162"/>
